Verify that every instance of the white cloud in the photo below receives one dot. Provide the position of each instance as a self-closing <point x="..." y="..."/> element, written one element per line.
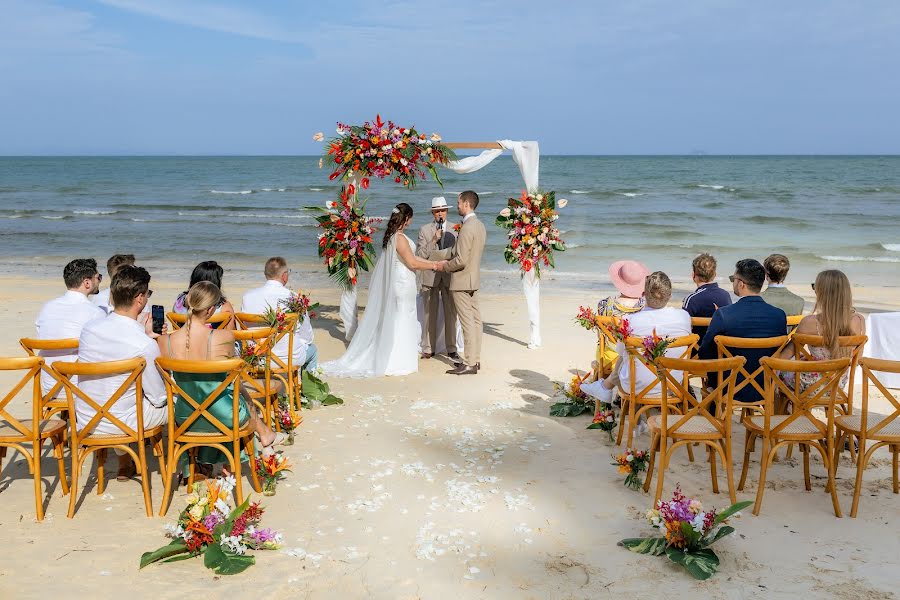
<point x="36" y="27"/>
<point x="212" y="16"/>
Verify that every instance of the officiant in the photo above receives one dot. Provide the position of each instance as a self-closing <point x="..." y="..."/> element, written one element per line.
<point x="437" y="235"/>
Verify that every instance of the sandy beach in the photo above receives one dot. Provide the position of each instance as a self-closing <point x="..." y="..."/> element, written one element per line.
<point x="429" y="486"/>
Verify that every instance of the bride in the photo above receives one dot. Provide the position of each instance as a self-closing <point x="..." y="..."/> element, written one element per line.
<point x="387" y="340"/>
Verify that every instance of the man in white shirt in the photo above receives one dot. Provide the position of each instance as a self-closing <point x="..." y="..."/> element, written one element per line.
<point x="115" y="262"/>
<point x="120" y="337"/>
<point x="268" y="296"/>
<point x="656" y="316"/>
<point x="64" y="317"/>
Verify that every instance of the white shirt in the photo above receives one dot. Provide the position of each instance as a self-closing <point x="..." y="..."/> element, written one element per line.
<point x="63" y="318"/>
<point x="668" y="322"/>
<point x="258" y="300"/>
<point x="117" y="338"/>
<point x="102" y="300"/>
<point x="466" y="218"/>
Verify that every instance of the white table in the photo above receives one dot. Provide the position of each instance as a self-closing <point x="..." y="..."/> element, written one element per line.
<point x="883" y="330"/>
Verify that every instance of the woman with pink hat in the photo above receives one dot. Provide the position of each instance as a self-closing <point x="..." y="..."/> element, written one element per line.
<point x="628" y="276"/>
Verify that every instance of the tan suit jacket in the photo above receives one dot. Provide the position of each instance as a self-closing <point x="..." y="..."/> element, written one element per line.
<point x="425" y="246"/>
<point x="465" y="256"/>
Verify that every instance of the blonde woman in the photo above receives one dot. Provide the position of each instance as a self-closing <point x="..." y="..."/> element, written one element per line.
<point x="832" y="317"/>
<point x="196" y="341"/>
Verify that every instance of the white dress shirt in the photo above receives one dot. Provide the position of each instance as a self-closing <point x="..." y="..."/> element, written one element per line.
<point x="468" y="216"/>
<point x="63" y="318"/>
<point x="668" y="322"/>
<point x="258" y="300"/>
<point x="102" y="300"/>
<point x="119" y="338"/>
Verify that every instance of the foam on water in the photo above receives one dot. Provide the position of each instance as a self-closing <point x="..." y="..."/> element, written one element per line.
<point x="891" y="247"/>
<point x="877" y="259"/>
<point x="579" y="191"/>
<point x="94" y="212"/>
<point x="241" y="192"/>
<point x="712" y="187"/>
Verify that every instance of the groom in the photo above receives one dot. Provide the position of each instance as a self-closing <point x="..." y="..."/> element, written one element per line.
<point x="463" y="261"/>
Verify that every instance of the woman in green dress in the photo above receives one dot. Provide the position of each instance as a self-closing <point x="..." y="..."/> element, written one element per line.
<point x="198" y="341"/>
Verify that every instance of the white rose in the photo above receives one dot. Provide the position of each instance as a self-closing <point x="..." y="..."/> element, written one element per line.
<point x="629" y="458"/>
<point x="340" y="131"/>
<point x="539" y="197"/>
<point x="561" y="203"/>
<point x="318" y="137"/>
<point x="435" y="137"/>
<point x="331" y="204"/>
<point x="505" y="212"/>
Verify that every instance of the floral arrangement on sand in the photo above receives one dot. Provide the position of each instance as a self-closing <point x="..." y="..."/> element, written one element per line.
<point x="632" y="463"/>
<point x="288" y="419"/>
<point x="604" y="420"/>
<point x="533" y="236"/>
<point x="208" y="526"/>
<point x="386" y="151"/>
<point x="270" y="470"/>
<point x="688" y="532"/>
<point x="576" y="401"/>
<point x="345" y="243"/>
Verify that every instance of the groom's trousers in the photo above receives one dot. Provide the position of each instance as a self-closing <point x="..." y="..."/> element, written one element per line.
<point x="469" y="313"/>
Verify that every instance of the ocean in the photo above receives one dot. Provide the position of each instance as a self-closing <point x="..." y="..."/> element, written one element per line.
<point x="822" y="212"/>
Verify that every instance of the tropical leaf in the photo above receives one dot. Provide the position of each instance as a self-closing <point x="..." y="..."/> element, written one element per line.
<point x="701" y="564"/>
<point x="567" y="409"/>
<point x="234" y="564"/>
<point x="732" y="509"/>
<point x="331" y="400"/>
<point x="214" y="556"/>
<point x="654" y="546"/>
<point x="174" y="548"/>
<point x="722" y="532"/>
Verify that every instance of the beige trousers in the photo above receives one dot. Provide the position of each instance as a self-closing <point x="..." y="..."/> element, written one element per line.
<point x="433" y="297"/>
<point x="469" y="313"/>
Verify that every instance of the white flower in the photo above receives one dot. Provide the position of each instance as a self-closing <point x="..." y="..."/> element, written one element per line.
<point x="191" y="498"/>
<point x="505" y="212"/>
<point x="561" y="203"/>
<point x="539" y="197"/>
<point x="629" y="458"/>
<point x="435" y="137"/>
<point x="196" y="512"/>
<point x="223" y="507"/>
<point x="697" y="523"/>
<point x="404" y="162"/>
<point x="609" y="419"/>
<point x="331" y="204"/>
<point x="233" y="544"/>
<point x="228" y="484"/>
<point x="318" y="137"/>
<point x="340" y="131"/>
<point x="174" y="531"/>
<point x="320" y="163"/>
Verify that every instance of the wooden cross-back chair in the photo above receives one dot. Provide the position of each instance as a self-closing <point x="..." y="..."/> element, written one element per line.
<point x="700" y="321"/>
<point x="289" y="372"/>
<point x="258" y="381"/>
<point x="638" y="401"/>
<point x="706" y="420"/>
<point x="792" y="322"/>
<point x="229" y="439"/>
<point x="855" y="343"/>
<point x="883" y="430"/>
<point x="52" y="401"/>
<point x="18" y="433"/>
<point x="83" y="441"/>
<point x="802" y="426"/>
<point x="217" y="321"/>
<point x="605" y="339"/>
<point x="729" y="347"/>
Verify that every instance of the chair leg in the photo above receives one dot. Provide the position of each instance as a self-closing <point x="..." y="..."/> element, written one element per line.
<point x="192" y="466"/>
<point x="38" y="490"/>
<point x="172" y="462"/>
<point x="235" y="461"/>
<point x="100" y="457"/>
<point x="690" y="452"/>
<point x="58" y="451"/>
<point x="806" y="481"/>
<point x="861" y="460"/>
<point x="160" y="453"/>
<point x="145" y="477"/>
<point x="832" y="485"/>
<point x="896" y="450"/>
<point x="622" y="408"/>
<point x="632" y="423"/>
<point x="249" y="446"/>
<point x="727" y="465"/>
<point x="664" y="455"/>
<point x="654" y="448"/>
<point x="763" y="465"/>
<point x="748" y="448"/>
<point x="712" y="469"/>
<point x="76" y="471"/>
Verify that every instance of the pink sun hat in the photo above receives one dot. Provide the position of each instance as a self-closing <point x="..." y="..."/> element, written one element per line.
<point x="629" y="277"/>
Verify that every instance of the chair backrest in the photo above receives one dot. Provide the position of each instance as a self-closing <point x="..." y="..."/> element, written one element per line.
<point x="33" y="345"/>
<point x="133" y="368"/>
<point x="819" y="394"/>
<point x="794" y="320"/>
<point x="729" y="347"/>
<point x="714" y="407"/>
<point x="870" y="366"/>
<point x="231" y="368"/>
<point x="700" y="321"/>
<point x="216" y="321"/>
<point x="635" y="345"/>
<point x="253" y="320"/>
<point x="29" y="369"/>
<point x="802" y="343"/>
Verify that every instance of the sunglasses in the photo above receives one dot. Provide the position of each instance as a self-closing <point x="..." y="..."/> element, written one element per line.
<point x="732" y="279"/>
<point x="149" y="293"/>
<point x="813" y="286"/>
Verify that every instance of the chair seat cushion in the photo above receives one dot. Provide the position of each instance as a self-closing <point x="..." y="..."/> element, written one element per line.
<point x="800" y="426"/>
<point x="853" y="424"/>
<point x="49" y="428"/>
<point x="694" y="425"/>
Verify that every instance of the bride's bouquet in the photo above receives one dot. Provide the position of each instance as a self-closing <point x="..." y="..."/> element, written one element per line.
<point x="345" y="244"/>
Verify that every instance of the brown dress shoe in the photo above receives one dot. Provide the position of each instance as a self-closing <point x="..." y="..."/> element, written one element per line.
<point x="427" y="354"/>
<point x="463" y="370"/>
<point x="454" y="357"/>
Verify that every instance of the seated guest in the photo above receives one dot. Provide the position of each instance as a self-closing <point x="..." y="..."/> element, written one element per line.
<point x="64" y="317"/>
<point x="115" y="262"/>
<point x="777" y="266"/>
<point x="833" y="316"/>
<point x="268" y="296"/>
<point x="196" y="341"/>
<point x="119" y="337"/>
<point x="666" y="321"/>
<point x="708" y="296"/>
<point x="211" y="271"/>
<point x="749" y="317"/>
<point x="628" y="276"/>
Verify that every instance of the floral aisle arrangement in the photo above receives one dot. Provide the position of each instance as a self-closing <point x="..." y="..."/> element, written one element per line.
<point x="208" y="526"/>
<point x="654" y="347"/>
<point x="604" y="420"/>
<point x="688" y="532"/>
<point x="533" y="236"/>
<point x="586" y="318"/>
<point x="270" y="470"/>
<point x="288" y="419"/>
<point x="345" y="243"/>
<point x="622" y="330"/>
<point x="254" y="354"/>
<point x="386" y="151"/>
<point x="576" y="401"/>
<point x="316" y="392"/>
<point x="299" y="303"/>
<point x="632" y="463"/>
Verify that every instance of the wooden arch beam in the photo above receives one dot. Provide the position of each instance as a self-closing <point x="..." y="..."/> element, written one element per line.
<point x="470" y="145"/>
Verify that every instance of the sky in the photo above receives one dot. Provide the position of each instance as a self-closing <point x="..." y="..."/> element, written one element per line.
<point x="581" y="76"/>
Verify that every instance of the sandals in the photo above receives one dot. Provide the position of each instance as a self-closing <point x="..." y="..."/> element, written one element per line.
<point x="279" y="439"/>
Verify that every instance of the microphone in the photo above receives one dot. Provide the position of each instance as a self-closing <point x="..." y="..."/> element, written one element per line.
<point x="440" y="226"/>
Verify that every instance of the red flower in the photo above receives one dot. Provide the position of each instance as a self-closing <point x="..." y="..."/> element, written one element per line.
<point x="334" y="175"/>
<point x="396" y="180"/>
<point x="526" y="265"/>
<point x="365" y="180"/>
<point x="515" y="242"/>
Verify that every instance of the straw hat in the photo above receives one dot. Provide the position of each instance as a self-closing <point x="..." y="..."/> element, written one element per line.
<point x="628" y="276"/>
<point x="439" y="203"/>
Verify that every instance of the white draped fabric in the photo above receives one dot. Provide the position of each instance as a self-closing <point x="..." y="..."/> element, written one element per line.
<point x="527" y="156"/>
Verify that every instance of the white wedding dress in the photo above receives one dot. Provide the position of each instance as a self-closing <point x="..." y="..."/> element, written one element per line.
<point x="387" y="339"/>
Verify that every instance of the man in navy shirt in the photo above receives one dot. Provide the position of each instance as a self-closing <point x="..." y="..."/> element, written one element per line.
<point x="749" y="317"/>
<point x="708" y="296"/>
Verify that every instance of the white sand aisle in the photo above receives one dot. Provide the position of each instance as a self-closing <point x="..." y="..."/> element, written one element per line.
<point x="433" y="486"/>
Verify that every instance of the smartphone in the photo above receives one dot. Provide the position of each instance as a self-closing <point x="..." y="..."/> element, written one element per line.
<point x="158" y="314"/>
